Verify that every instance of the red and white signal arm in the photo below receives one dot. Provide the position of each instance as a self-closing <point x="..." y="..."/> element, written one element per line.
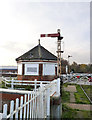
<point x="50" y="35"/>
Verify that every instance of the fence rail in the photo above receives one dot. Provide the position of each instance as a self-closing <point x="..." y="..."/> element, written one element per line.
<point x="13" y="82"/>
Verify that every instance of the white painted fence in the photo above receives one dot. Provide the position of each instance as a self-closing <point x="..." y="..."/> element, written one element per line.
<point x="13" y="82"/>
<point x="33" y="105"/>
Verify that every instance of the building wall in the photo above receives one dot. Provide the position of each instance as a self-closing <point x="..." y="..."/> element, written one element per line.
<point x="33" y="68"/>
<point x="8" y="69"/>
<point x="42" y="71"/>
<point x="20" y="69"/>
<point x="39" y="78"/>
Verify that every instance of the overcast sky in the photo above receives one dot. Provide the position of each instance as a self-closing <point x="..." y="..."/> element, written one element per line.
<point x="22" y="22"/>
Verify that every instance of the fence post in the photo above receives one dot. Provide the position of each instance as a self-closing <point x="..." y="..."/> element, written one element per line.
<point x="25" y="99"/>
<point x="41" y="101"/>
<point x="35" y="85"/>
<point x="28" y="106"/>
<point x="17" y="105"/>
<point x="48" y="102"/>
<point x="12" y="84"/>
<point x="5" y="81"/>
<point x="21" y="104"/>
<point x="4" y="115"/>
<point x="11" y="109"/>
<point x="58" y="86"/>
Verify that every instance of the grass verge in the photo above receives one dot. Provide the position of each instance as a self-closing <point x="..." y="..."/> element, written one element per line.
<point x="65" y="96"/>
<point x="80" y="97"/>
<point x="88" y="90"/>
<point x="70" y="113"/>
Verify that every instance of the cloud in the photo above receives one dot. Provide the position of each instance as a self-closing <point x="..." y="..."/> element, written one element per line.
<point x="23" y="22"/>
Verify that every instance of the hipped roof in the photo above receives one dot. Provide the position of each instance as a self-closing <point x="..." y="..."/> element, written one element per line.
<point x="37" y="53"/>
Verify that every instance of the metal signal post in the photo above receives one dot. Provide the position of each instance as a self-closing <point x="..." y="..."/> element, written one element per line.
<point x="59" y="38"/>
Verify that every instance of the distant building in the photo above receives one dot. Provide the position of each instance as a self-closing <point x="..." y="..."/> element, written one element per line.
<point x="8" y="70"/>
<point x="38" y="63"/>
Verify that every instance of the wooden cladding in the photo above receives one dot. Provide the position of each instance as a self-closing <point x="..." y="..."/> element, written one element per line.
<point x="23" y="69"/>
<point x="40" y="69"/>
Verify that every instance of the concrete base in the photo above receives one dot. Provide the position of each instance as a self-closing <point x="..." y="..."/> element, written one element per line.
<point x="55" y="100"/>
<point x="56" y="107"/>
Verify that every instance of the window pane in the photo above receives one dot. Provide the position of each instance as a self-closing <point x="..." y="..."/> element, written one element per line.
<point x="31" y="69"/>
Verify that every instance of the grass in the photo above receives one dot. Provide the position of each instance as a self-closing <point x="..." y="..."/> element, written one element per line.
<point x="88" y="90"/>
<point x="65" y="84"/>
<point x="80" y="97"/>
<point x="65" y="96"/>
<point x="67" y="112"/>
<point x="70" y="113"/>
<point x="2" y="85"/>
<point x="28" y="87"/>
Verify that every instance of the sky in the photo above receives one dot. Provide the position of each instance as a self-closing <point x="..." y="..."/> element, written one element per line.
<point x="22" y="22"/>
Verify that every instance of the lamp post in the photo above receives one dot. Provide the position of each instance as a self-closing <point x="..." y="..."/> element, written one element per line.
<point x="68" y="64"/>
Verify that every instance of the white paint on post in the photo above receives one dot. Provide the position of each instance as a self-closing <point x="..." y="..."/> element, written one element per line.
<point x="58" y="87"/>
<point x="35" y="84"/>
<point x="21" y="104"/>
<point x="17" y="105"/>
<point x="66" y="69"/>
<point x="25" y="99"/>
<point x="12" y="82"/>
<point x="11" y="109"/>
<point x="31" y="106"/>
<point x="48" y="102"/>
<point x="41" y="84"/>
<point x="5" y="111"/>
<point x="38" y="103"/>
<point x="35" y="104"/>
<point x="1" y="116"/>
<point x="28" y="108"/>
<point x="41" y="101"/>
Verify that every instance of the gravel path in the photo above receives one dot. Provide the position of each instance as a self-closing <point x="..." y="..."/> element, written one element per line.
<point x="87" y="107"/>
<point x="71" y="89"/>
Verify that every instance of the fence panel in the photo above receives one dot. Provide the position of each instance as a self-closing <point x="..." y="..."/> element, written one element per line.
<point x="33" y="105"/>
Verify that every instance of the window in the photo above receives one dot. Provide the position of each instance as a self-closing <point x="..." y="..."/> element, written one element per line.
<point x="32" y="69"/>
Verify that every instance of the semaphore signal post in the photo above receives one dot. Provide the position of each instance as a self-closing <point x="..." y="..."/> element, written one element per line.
<point x="59" y="38"/>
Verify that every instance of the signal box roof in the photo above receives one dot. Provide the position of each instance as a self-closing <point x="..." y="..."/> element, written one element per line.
<point x="37" y="53"/>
